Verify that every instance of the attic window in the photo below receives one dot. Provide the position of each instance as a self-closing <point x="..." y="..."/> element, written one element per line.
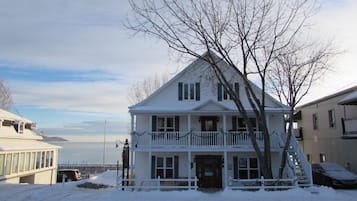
<point x="19" y="127"/>
<point x="189" y="91"/>
<point x="222" y="94"/>
<point x="7" y="123"/>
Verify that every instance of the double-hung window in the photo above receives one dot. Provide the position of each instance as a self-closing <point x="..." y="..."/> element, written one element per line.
<point x="246" y="168"/>
<point x="331" y="118"/>
<point x="222" y="93"/>
<point x="314" y="121"/>
<point x="165" y="167"/>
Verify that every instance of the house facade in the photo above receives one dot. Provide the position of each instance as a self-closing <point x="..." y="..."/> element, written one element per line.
<point x="24" y="157"/>
<point x="328" y="129"/>
<point x="190" y="128"/>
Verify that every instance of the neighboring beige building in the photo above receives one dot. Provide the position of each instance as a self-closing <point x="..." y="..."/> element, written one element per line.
<point x="328" y="129"/>
<point x="24" y="156"/>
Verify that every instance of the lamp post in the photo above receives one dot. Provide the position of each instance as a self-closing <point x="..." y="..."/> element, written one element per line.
<point x="125" y="158"/>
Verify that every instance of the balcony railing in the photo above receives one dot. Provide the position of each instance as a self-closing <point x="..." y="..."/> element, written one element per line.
<point x="196" y="139"/>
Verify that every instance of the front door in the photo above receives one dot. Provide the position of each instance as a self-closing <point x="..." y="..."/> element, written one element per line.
<point x="209" y="123"/>
<point x="209" y="171"/>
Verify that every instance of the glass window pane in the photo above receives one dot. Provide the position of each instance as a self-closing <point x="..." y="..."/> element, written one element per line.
<point x="27" y="161"/>
<point x="2" y="163"/>
<point x="253" y="163"/>
<point x="160" y="162"/>
<point x="160" y="173"/>
<point x="21" y="162"/>
<point x="254" y="174"/>
<point x="243" y="174"/>
<point x="185" y="91"/>
<point x="169" y="173"/>
<point x="170" y="122"/>
<point x="51" y="159"/>
<point x="47" y="158"/>
<point x="161" y="123"/>
<point x="38" y="160"/>
<point x="169" y="162"/>
<point x="243" y="163"/>
<point x="192" y="91"/>
<point x="15" y="163"/>
<point x="8" y="164"/>
<point x="43" y="154"/>
<point x="32" y="160"/>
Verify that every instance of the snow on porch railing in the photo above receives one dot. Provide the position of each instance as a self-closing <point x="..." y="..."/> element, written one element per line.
<point x="157" y="184"/>
<point x="261" y="183"/>
<point x="243" y="138"/>
<point x="196" y="138"/>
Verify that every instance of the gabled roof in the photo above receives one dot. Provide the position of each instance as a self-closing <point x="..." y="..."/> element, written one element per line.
<point x="141" y="105"/>
<point x="168" y="83"/>
<point x="211" y="105"/>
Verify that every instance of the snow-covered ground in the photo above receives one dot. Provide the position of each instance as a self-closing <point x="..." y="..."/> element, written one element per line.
<point x="70" y="192"/>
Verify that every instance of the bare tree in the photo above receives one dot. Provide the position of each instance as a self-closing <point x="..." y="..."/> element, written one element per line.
<point x="293" y="75"/>
<point x="140" y="90"/>
<point x="248" y="35"/>
<point x="5" y="96"/>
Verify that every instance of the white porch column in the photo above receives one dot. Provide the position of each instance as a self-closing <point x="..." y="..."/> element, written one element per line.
<point x="189" y="168"/>
<point x="225" y="169"/>
<point x="188" y="130"/>
<point x="225" y="129"/>
<point x="150" y="153"/>
<point x="225" y="157"/>
<point x="132" y="145"/>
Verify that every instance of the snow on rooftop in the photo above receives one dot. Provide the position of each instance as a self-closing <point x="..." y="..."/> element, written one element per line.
<point x="69" y="192"/>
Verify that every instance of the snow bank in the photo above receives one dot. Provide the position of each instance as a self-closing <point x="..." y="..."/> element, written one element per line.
<point x="70" y="192"/>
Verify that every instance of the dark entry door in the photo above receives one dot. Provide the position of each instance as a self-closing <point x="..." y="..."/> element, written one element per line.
<point x="209" y="123"/>
<point x="209" y="171"/>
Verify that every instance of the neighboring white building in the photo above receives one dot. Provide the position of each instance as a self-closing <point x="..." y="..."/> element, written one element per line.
<point x="24" y="157"/>
<point x="328" y="128"/>
<point x="190" y="128"/>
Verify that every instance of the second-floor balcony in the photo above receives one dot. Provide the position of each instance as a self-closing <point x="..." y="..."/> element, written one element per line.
<point x="199" y="139"/>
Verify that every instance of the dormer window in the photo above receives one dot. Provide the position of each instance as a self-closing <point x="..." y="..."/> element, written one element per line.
<point x="189" y="91"/>
<point x="222" y="94"/>
<point x="19" y="127"/>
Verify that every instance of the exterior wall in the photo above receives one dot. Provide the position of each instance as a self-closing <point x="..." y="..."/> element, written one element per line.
<point x="325" y="139"/>
<point x="165" y="102"/>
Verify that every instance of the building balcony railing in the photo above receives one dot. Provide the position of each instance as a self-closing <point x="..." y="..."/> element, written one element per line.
<point x="349" y="127"/>
<point x="197" y="139"/>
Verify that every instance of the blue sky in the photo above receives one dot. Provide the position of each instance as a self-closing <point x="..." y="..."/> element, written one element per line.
<point x="69" y="64"/>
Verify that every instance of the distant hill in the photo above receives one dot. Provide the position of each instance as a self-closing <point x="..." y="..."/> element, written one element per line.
<point x="53" y="139"/>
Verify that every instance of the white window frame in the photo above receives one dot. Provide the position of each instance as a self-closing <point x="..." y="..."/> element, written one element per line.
<point x="164" y="167"/>
<point x="165" y="127"/>
<point x="248" y="167"/>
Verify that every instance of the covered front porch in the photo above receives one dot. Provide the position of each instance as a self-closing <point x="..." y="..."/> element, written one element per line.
<point x="200" y="131"/>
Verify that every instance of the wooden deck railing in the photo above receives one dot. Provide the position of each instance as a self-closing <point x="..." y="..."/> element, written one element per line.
<point x="197" y="139"/>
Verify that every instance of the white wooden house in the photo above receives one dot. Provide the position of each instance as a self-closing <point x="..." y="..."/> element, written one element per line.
<point x="24" y="156"/>
<point x="189" y="128"/>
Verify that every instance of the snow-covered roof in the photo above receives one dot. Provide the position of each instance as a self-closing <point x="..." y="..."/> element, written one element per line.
<point x="13" y="117"/>
<point x="26" y="145"/>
